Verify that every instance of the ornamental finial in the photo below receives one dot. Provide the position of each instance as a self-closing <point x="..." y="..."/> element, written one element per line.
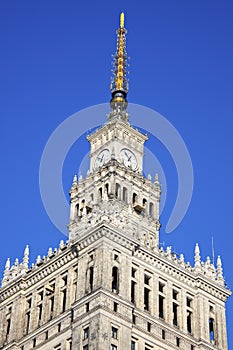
<point x="122" y="20"/>
<point x="119" y="82"/>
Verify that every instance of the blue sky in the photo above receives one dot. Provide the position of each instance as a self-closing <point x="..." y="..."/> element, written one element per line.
<point x="56" y="60"/>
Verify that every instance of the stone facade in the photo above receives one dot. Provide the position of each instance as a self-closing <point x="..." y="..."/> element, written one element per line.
<point x="111" y="286"/>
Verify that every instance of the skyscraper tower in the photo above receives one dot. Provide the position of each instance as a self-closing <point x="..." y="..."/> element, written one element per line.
<point x="111" y="286"/>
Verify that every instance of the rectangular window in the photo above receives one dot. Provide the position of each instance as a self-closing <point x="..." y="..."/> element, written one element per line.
<point x="133" y="345"/>
<point x="41" y="295"/>
<point x="161" y="306"/>
<point x="189" y="302"/>
<point x="57" y="347"/>
<point x="114" y="332"/>
<point x="177" y="341"/>
<point x="85" y="347"/>
<point x="189" y="321"/>
<point x="40" y="312"/>
<point x="113" y="347"/>
<point x="174" y="294"/>
<point x="46" y="335"/>
<point x="147" y="280"/>
<point x="63" y="300"/>
<point x="134" y="319"/>
<point x="34" y="342"/>
<point x="146" y="299"/>
<point x="27" y="322"/>
<point x="133" y="273"/>
<point x="91" y="278"/>
<point x="161" y="287"/>
<point x="175" y="314"/>
<point x="148" y="327"/>
<point x="115" y="306"/>
<point x="8" y="326"/>
<point x="86" y="333"/>
<point x="133" y="284"/>
<point x="163" y="334"/>
<point x="59" y="327"/>
<point x="87" y="307"/>
<point x="211" y="329"/>
<point x="69" y="344"/>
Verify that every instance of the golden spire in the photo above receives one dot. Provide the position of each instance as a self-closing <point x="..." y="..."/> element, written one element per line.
<point x="119" y="83"/>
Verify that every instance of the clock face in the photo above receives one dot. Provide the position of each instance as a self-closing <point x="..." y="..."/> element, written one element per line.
<point x="102" y="158"/>
<point x="129" y="159"/>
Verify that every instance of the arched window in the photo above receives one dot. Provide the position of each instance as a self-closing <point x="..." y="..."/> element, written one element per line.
<point x="115" y="279"/>
<point x="107" y="188"/>
<point x="144" y="201"/>
<point x="125" y="195"/>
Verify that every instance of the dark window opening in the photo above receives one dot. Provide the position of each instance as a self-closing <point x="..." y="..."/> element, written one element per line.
<point x="113" y="347"/>
<point x="91" y="278"/>
<point x="174" y="294"/>
<point x="114" y="332"/>
<point x="40" y="312"/>
<point x="135" y="197"/>
<point x="8" y="327"/>
<point x="146" y="299"/>
<point x="189" y="302"/>
<point x="115" y="306"/>
<point x="134" y="319"/>
<point x="29" y="303"/>
<point x="51" y="304"/>
<point x="64" y="279"/>
<point x="133" y="284"/>
<point x="125" y="195"/>
<point x="148" y="327"/>
<point x="41" y="295"/>
<point x="177" y="341"/>
<point x="116" y="257"/>
<point x="133" y="273"/>
<point x="86" y="333"/>
<point x="34" y="342"/>
<point x="133" y="345"/>
<point x="192" y="347"/>
<point x="107" y="188"/>
<point x="211" y="329"/>
<point x="46" y="335"/>
<point x="27" y="322"/>
<point x="87" y="307"/>
<point x="115" y="279"/>
<point x="85" y="347"/>
<point x="163" y="334"/>
<point x="161" y="306"/>
<point x="161" y="287"/>
<point x="147" y="279"/>
<point x="175" y="314"/>
<point x="59" y="327"/>
<point x="77" y="209"/>
<point x="189" y="322"/>
<point x="63" y="300"/>
<point x="144" y="201"/>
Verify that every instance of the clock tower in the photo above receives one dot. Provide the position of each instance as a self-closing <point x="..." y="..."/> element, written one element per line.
<point x="114" y="183"/>
<point x="111" y="286"/>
